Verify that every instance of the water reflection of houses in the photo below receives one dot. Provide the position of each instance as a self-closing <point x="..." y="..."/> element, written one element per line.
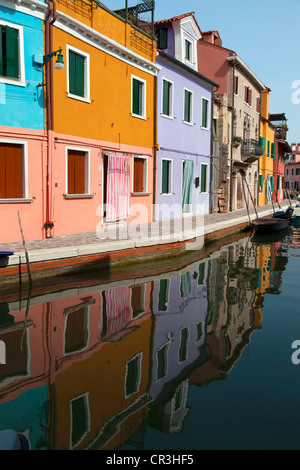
<point x="232" y="280"/>
<point x="80" y="363"/>
<point x="180" y="311"/>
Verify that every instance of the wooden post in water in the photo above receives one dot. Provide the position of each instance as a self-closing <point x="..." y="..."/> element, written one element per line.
<point x="243" y="186"/>
<point x="26" y="253"/>
<point x="251" y="198"/>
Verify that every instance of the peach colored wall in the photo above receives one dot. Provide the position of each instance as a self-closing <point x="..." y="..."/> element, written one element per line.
<point x="31" y="213"/>
<point x="84" y="215"/>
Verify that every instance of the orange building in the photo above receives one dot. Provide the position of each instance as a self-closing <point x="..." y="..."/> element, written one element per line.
<point x="101" y="119"/>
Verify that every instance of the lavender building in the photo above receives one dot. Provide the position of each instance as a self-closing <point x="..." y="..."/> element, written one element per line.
<point x="185" y="100"/>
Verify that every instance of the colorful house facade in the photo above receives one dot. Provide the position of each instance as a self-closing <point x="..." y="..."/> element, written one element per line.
<point x="184" y="109"/>
<point x="103" y="120"/>
<point x="22" y="120"/>
<point x="267" y="138"/>
<point x="242" y="89"/>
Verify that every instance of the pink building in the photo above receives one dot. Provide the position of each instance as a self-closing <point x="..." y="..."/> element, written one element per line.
<point x="292" y="169"/>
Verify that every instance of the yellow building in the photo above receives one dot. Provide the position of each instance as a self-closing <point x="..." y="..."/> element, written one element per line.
<point x="267" y="139"/>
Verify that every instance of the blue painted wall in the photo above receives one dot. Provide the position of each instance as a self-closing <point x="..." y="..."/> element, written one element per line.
<point x="24" y="107"/>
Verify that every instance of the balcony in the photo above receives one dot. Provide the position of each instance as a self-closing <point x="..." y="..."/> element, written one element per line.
<point x="251" y="151"/>
<point x="281" y="131"/>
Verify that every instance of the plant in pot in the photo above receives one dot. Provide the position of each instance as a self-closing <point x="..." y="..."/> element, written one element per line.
<point x="237" y="141"/>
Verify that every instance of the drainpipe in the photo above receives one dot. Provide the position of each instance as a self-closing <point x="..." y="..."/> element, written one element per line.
<point x="258" y="165"/>
<point x="48" y="225"/>
<point x="155" y="147"/>
<point x="212" y="200"/>
<point x="231" y="145"/>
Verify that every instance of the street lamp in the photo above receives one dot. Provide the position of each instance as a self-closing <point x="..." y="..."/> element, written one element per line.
<point x="59" y="65"/>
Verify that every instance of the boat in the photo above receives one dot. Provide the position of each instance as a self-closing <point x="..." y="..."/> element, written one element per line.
<point x="4" y="252"/>
<point x="288" y="214"/>
<point x="267" y="225"/>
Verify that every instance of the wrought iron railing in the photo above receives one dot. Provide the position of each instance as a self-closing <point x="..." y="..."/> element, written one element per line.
<point x="252" y="147"/>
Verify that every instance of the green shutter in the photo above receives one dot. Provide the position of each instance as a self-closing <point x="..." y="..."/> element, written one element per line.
<point x="166" y="98"/>
<point x="1" y="52"/>
<point x="204" y="112"/>
<point x="165" y="177"/>
<point x="268" y="149"/>
<point x="137" y="97"/>
<point x="272" y="184"/>
<point x="12" y="52"/>
<point x="263" y="143"/>
<point x="187" y="106"/>
<point x="76" y="74"/>
<point x="273" y="150"/>
<point x="203" y="178"/>
<point x="261" y="183"/>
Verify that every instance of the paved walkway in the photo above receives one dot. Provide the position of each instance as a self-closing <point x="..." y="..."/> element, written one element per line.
<point x="147" y="234"/>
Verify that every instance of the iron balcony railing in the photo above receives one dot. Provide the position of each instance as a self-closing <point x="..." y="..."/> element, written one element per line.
<point x="251" y="148"/>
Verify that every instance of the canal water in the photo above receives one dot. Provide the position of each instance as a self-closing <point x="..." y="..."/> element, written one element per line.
<point x="179" y="357"/>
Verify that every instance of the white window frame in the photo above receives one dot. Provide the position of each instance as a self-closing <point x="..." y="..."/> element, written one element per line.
<point x="87" y="175"/>
<point x="166" y="345"/>
<point x="144" y="82"/>
<point x="188" y="339"/>
<point x="207" y="184"/>
<point x="25" y="183"/>
<point x="171" y="179"/>
<point x="142" y="157"/>
<point x="88" y="415"/>
<point x="21" y="80"/>
<point x="245" y="102"/>
<point x="86" y="56"/>
<point x="143" y="300"/>
<point x="171" y="115"/>
<point x="208" y="112"/>
<point x="191" y="123"/>
<point x="191" y="49"/>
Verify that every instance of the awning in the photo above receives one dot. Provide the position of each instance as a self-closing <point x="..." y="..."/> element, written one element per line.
<point x="5" y="252"/>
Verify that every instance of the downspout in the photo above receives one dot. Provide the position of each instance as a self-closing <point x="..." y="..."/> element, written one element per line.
<point x="155" y="147"/>
<point x="48" y="225"/>
<point x="258" y="165"/>
<point x="212" y="157"/>
<point x="231" y="144"/>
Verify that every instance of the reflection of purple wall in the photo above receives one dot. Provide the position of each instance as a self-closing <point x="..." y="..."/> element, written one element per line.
<point x="179" y="141"/>
<point x="187" y="311"/>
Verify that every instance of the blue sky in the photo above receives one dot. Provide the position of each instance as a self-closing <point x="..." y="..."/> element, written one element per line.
<point x="264" y="33"/>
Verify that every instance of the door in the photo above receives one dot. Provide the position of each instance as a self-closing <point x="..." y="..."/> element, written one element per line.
<point x="187" y="185"/>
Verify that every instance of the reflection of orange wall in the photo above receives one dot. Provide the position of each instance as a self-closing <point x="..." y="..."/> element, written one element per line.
<point x="264" y="261"/>
<point x="102" y="376"/>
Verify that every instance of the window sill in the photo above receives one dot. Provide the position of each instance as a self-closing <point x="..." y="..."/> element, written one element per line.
<point x="79" y="196"/>
<point x="166" y="194"/>
<point x="11" y="81"/>
<point x="139" y="117"/>
<point x="188" y="123"/>
<point x="167" y="117"/>
<point x="79" y="98"/>
<point x="16" y="201"/>
<point x="140" y="194"/>
<point x="205" y="128"/>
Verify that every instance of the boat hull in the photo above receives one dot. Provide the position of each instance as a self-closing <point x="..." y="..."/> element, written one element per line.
<point x="269" y="225"/>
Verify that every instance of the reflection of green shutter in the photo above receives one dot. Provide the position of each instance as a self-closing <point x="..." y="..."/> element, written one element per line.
<point x="163" y="297"/>
<point x="263" y="143"/>
<point x="261" y="183"/>
<point x="12" y="52"/>
<point x="201" y="274"/>
<point x="273" y="150"/>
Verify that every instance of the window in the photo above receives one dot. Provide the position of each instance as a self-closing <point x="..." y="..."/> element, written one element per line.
<point x="78" y="171"/>
<point x="273" y="150"/>
<point x="287" y="171"/>
<point x="203" y="183"/>
<point x="205" y="113"/>
<point x="215" y="129"/>
<point x="297" y="171"/>
<point x="268" y="148"/>
<point x="78" y="71"/>
<point x="133" y="375"/>
<point x="250" y="177"/>
<point x="76" y="329"/>
<point x="183" y="347"/>
<point x="13" y="170"/>
<point x="292" y="171"/>
<point x="166" y="176"/>
<point x="188" y="107"/>
<point x="162" y="361"/>
<point x="162" y="38"/>
<point x="200" y="332"/>
<point x="138" y="97"/>
<point x="296" y="185"/>
<point x="188" y="50"/>
<point x="248" y="95"/>
<point x="12" y="69"/>
<point x="167" y="98"/>
<point x="236" y="85"/>
<point x="258" y="104"/>
<point x="80" y="419"/>
<point x="139" y="175"/>
<point x="261" y="183"/>
<point x="163" y="296"/>
<point x="287" y="185"/>
<point x="137" y="300"/>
